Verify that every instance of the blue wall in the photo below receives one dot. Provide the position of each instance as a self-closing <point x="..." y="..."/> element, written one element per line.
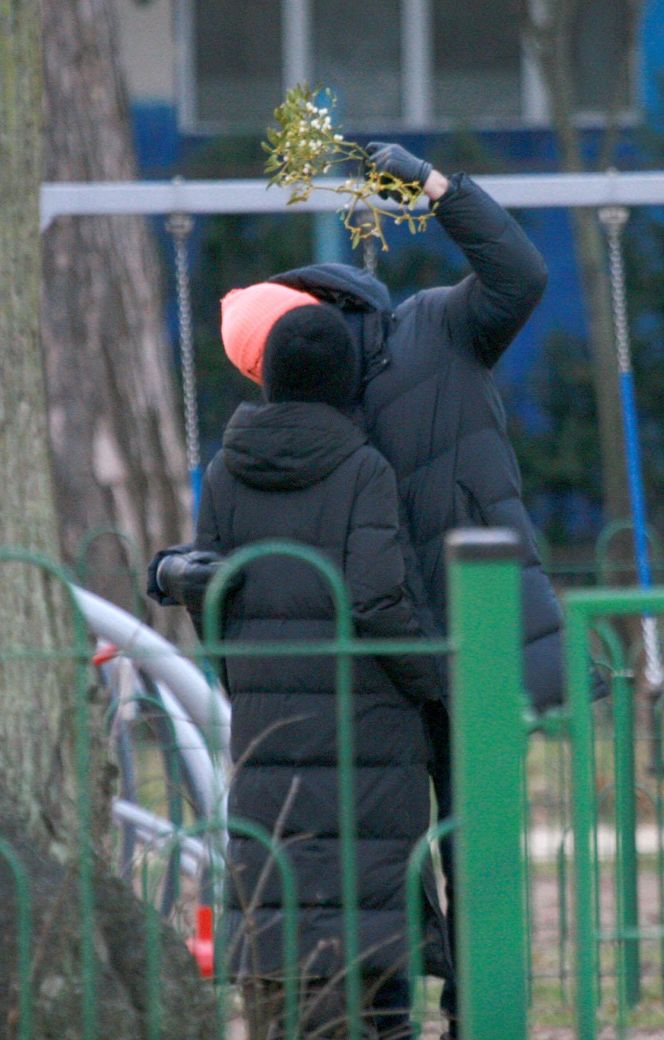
<point x="651" y="85"/>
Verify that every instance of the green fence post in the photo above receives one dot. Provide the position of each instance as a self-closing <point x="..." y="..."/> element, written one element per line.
<point x="627" y="893"/>
<point x="583" y="814"/>
<point x="489" y="735"/>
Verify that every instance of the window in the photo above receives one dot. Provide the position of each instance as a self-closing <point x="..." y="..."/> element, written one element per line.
<point x="600" y="27"/>
<point x="393" y="64"/>
<point x="235" y="63"/>
<point x="356" y="54"/>
<point x="477" y="75"/>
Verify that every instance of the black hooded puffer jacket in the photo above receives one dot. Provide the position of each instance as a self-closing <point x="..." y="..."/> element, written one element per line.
<point x="432" y="408"/>
<point x="305" y="471"/>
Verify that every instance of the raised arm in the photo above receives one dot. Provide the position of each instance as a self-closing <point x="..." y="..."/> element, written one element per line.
<point x="509" y="275"/>
<point x="375" y="573"/>
<point x="486" y="309"/>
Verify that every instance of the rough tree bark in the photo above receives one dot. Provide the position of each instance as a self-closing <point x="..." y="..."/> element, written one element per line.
<point x="28" y="515"/>
<point x="550" y="34"/>
<point x="38" y="817"/>
<point x="114" y="417"/>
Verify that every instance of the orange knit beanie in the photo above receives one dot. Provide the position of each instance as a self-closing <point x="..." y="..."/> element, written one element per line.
<point x="247" y="315"/>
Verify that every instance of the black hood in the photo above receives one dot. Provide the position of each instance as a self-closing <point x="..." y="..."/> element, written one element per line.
<point x="350" y="288"/>
<point x="363" y="301"/>
<point x="281" y="447"/>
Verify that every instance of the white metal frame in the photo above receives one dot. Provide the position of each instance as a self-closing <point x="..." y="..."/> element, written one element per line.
<point x="198" y="711"/>
<point x="205" y="705"/>
<point x="159" y="833"/>
<point x="416" y="63"/>
<point x="534" y="191"/>
<point x="185" y="72"/>
<point x="296" y="43"/>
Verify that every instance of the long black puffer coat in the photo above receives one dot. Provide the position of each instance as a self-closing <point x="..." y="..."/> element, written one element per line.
<point x="432" y="408"/>
<point x="305" y="471"/>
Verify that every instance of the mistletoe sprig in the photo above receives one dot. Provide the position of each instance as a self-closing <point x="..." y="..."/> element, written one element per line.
<point x="306" y="145"/>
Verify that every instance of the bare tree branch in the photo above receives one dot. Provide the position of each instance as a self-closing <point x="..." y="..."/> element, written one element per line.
<point x="620" y="85"/>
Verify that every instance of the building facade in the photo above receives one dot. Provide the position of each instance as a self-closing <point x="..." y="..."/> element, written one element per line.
<point x="425" y="72"/>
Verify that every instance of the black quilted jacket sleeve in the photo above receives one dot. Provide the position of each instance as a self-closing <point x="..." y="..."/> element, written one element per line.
<point x="488" y="308"/>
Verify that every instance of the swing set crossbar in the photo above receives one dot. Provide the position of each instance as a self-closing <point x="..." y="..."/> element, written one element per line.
<point x="537" y="191"/>
<point x="610" y="193"/>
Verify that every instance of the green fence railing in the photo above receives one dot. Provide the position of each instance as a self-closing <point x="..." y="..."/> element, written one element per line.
<point x="583" y="609"/>
<point x="498" y="875"/>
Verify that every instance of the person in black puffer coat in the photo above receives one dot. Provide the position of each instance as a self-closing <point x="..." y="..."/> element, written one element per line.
<point x="297" y="467"/>
<point x="429" y="403"/>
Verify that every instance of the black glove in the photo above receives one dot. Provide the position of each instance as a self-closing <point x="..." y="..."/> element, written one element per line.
<point x="397" y="162"/>
<point x="153" y="590"/>
<point x="184" y="577"/>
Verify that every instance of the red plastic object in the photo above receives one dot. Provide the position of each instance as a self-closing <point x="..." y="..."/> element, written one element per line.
<point x="201" y="945"/>
<point x="105" y="653"/>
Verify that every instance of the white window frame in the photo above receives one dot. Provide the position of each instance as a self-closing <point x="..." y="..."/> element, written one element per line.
<point x="185" y="72"/>
<point x="417" y="64"/>
<point x="296" y="65"/>
<point x="416" y="74"/>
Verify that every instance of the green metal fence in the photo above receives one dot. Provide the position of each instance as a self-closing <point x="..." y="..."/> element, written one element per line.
<point x="583" y="610"/>
<point x="574" y="771"/>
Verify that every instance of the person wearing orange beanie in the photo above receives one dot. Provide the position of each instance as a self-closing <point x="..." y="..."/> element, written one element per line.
<point x="297" y="465"/>
<point x="248" y="315"/>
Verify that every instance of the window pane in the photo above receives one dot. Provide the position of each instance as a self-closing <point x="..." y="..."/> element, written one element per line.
<point x="357" y="54"/>
<point x="237" y="62"/>
<point x="477" y="59"/>
<point x="600" y="33"/>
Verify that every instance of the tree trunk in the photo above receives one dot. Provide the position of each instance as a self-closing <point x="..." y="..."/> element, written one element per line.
<point x="31" y="713"/>
<point x="114" y="417"/>
<point x="550" y="29"/>
<point x="41" y="825"/>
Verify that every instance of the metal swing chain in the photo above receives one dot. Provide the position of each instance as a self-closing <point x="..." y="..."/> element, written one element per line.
<point x="614" y="220"/>
<point x="179" y="225"/>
